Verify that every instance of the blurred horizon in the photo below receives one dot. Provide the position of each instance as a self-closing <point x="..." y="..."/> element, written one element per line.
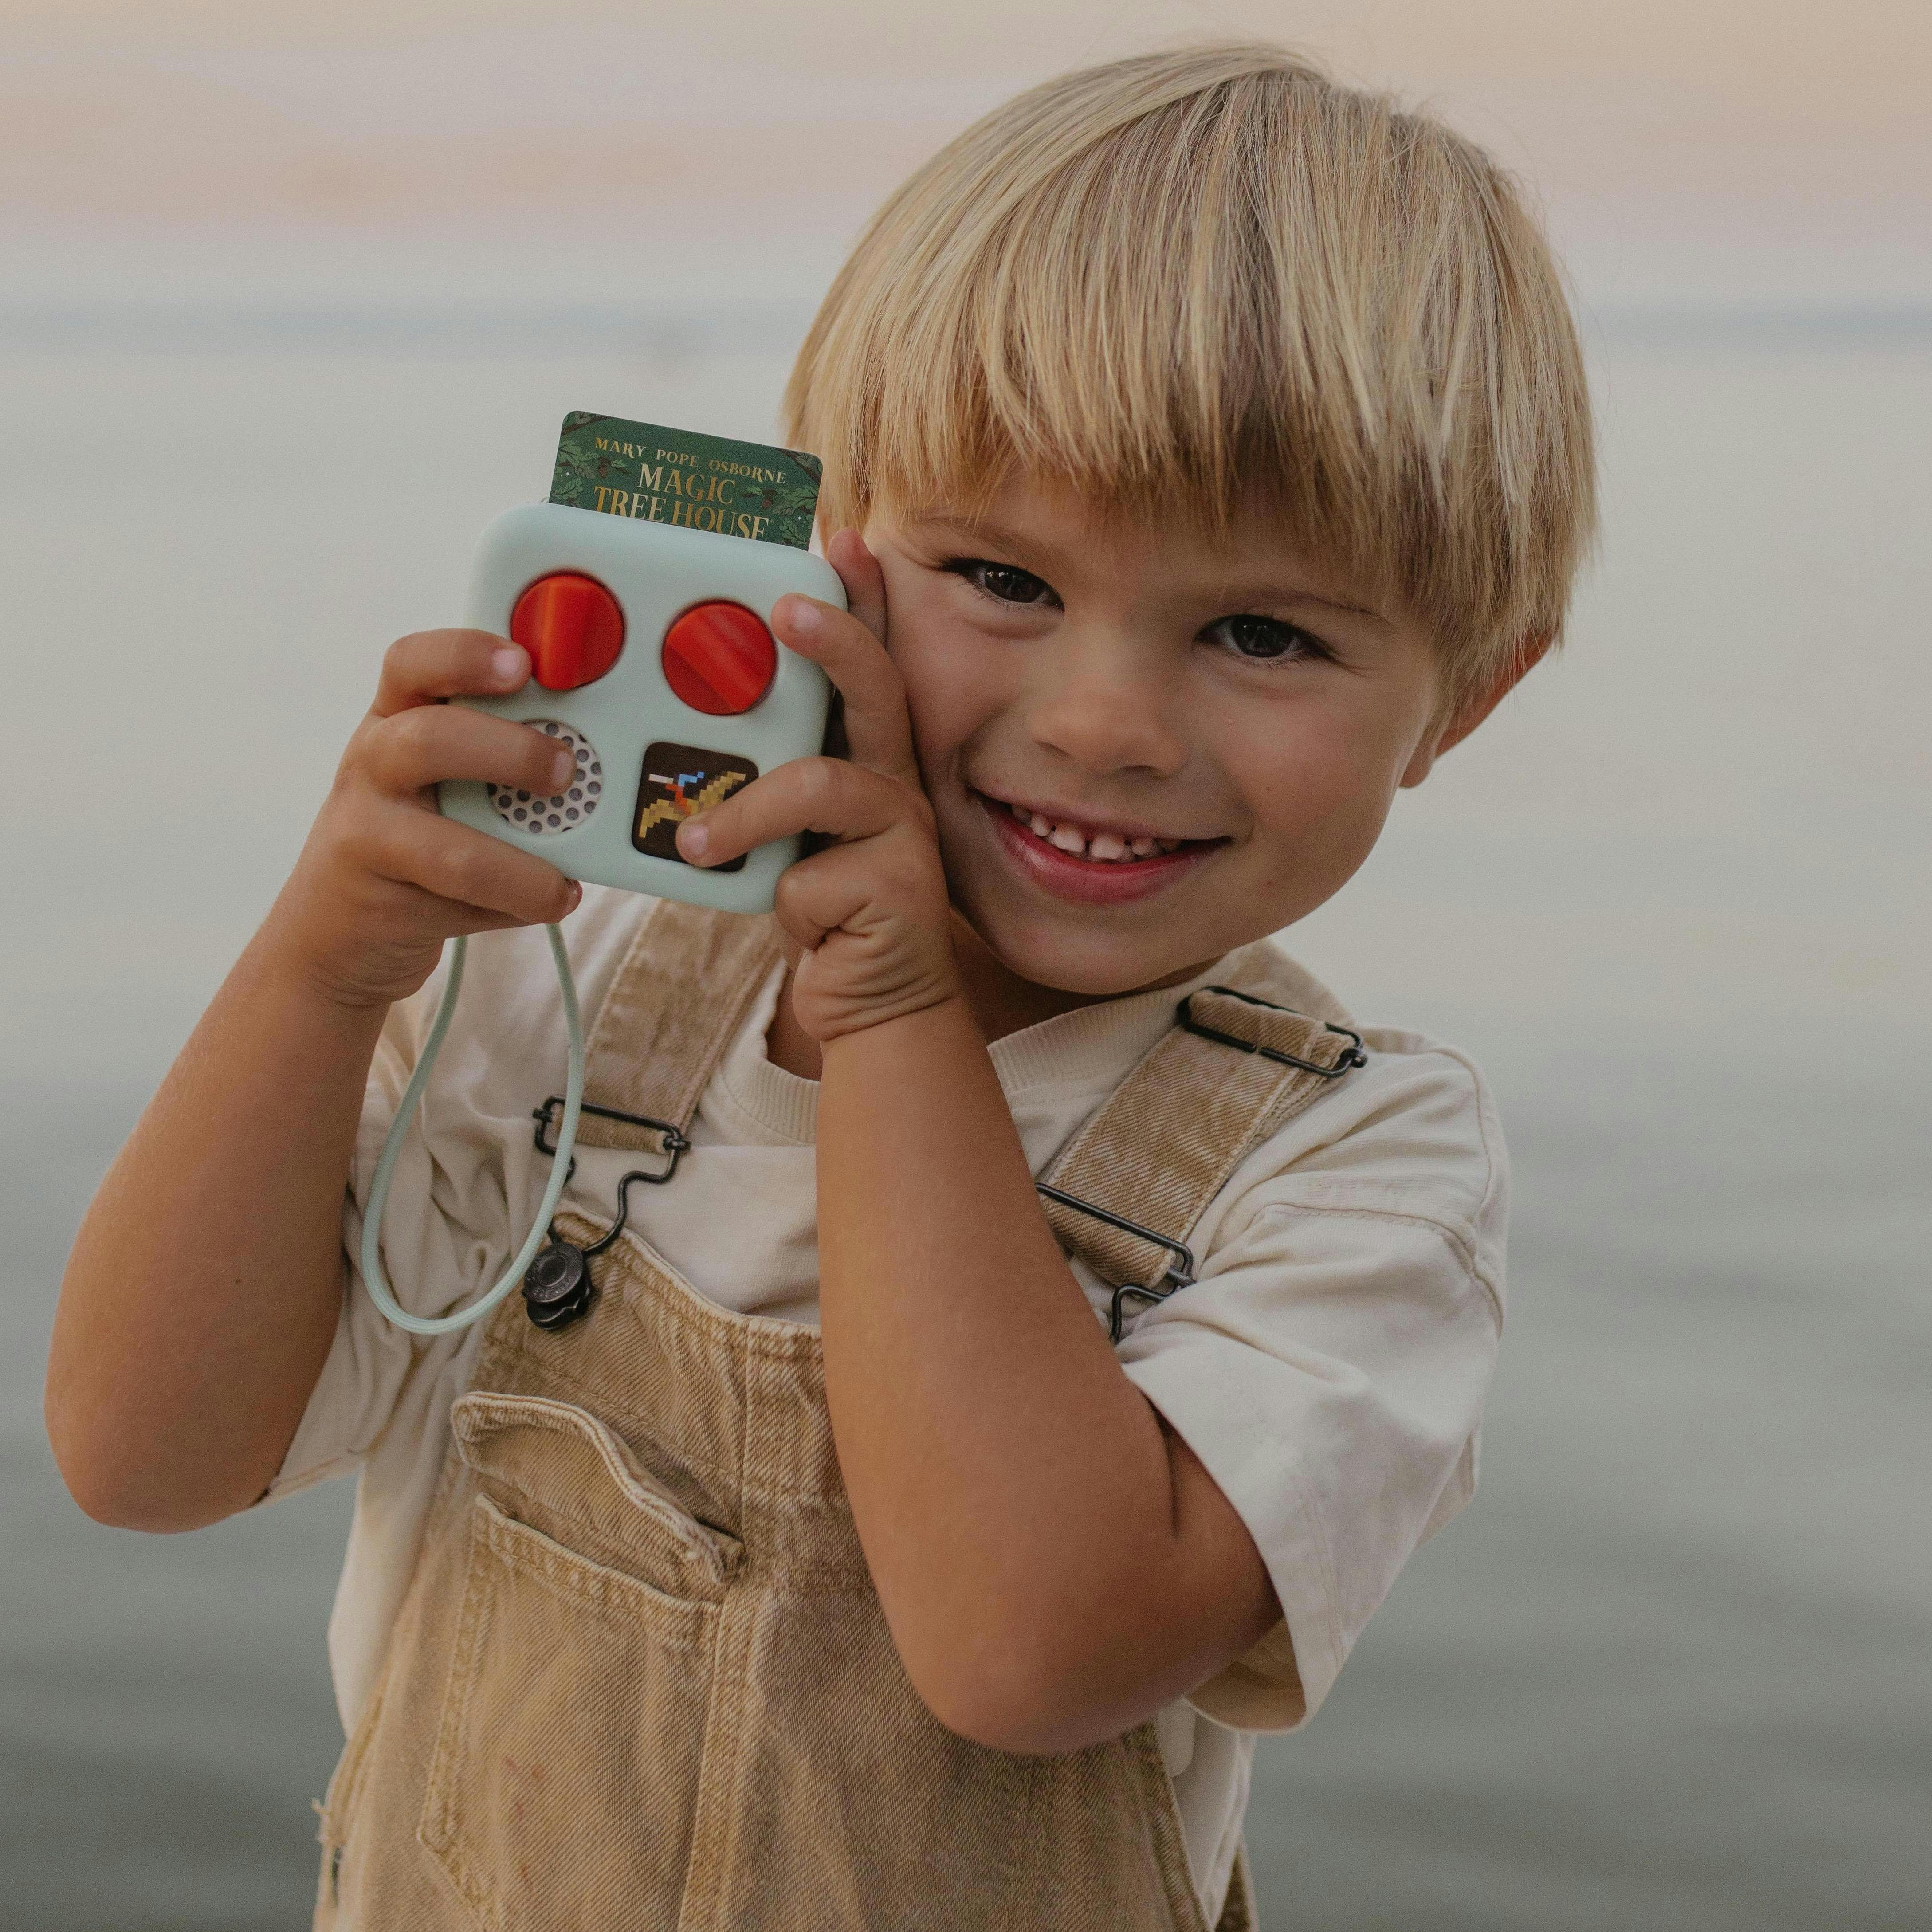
<point x="1711" y="153"/>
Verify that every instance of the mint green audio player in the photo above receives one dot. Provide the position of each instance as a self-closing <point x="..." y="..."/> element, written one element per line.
<point x="653" y="659"/>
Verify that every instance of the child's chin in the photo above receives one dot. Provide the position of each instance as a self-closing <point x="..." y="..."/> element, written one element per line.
<point x="1066" y="954"/>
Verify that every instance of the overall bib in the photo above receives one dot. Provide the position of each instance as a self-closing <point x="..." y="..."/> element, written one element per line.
<point x="641" y="1679"/>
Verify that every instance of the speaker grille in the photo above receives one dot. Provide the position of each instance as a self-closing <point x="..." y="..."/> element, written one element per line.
<point x="568" y="808"/>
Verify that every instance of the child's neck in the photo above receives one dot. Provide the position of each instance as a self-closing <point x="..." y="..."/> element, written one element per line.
<point x="1001" y="1002"/>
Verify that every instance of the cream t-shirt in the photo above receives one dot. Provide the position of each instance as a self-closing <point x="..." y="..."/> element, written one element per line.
<point x="1329" y="1367"/>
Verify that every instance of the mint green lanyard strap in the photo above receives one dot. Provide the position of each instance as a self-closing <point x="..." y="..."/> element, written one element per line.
<point x="373" y="1276"/>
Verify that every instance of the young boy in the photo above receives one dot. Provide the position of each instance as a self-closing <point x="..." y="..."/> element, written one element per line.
<point x="1207" y="450"/>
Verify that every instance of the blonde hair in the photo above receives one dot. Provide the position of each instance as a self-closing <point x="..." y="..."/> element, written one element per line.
<point x="1211" y="281"/>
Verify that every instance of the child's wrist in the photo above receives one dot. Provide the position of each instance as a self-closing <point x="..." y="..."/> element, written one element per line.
<point x="907" y="1013"/>
<point x="331" y="979"/>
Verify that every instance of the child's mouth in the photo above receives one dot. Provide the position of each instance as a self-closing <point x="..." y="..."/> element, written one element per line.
<point x="1093" y="865"/>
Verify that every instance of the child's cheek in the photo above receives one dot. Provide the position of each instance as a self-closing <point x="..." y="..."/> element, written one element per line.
<point x="956" y="683"/>
<point x="1318" y="790"/>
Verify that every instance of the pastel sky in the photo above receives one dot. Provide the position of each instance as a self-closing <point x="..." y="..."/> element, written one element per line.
<point x="1703" y="151"/>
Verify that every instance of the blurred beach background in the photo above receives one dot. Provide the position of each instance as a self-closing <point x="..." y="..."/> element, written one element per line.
<point x="292" y="301"/>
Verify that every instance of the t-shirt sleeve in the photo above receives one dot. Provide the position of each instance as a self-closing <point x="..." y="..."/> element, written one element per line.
<point x="468" y="1183"/>
<point x="1329" y="1367"/>
<point x="372" y="1365"/>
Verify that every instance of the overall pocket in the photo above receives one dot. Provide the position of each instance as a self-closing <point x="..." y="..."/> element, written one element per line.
<point x="563" y="1780"/>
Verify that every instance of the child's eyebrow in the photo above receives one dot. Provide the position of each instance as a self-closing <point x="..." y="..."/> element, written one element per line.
<point x="1296" y="593"/>
<point x="973" y="530"/>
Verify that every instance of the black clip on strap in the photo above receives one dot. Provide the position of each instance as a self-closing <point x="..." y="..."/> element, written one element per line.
<point x="1352" y="1056"/>
<point x="557" y="1286"/>
<point x="1179" y="1273"/>
<point x="674" y="1142"/>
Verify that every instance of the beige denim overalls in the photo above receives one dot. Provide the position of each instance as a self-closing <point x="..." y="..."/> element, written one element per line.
<point x="641" y="1679"/>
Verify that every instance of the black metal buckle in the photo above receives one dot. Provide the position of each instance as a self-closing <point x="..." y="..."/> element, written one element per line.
<point x="558" y="1287"/>
<point x="1353" y="1058"/>
<point x="1179" y="1273"/>
<point x="674" y="1142"/>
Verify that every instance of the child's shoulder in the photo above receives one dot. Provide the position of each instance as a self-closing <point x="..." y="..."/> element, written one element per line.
<point x="1412" y="1135"/>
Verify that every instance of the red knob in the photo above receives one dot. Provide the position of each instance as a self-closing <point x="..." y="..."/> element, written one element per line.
<point x="572" y="626"/>
<point x="719" y="657"/>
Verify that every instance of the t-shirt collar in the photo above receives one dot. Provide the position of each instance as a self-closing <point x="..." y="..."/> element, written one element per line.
<point x="1092" y="1047"/>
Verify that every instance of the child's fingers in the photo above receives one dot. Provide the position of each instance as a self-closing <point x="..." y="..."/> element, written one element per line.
<point x="878" y="734"/>
<point x="825" y="795"/>
<point x="426" y="744"/>
<point x="847" y="886"/>
<point x="865" y="582"/>
<point x="430" y="664"/>
<point x="457" y="863"/>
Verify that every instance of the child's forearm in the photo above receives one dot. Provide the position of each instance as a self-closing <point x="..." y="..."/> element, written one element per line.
<point x="1054" y="1564"/>
<point x="203" y="1289"/>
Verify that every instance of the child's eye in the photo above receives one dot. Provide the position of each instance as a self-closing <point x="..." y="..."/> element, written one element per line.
<point x="1006" y="581"/>
<point x="1264" y="639"/>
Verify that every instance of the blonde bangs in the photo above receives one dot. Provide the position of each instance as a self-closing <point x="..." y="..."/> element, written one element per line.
<point x="1201" y="285"/>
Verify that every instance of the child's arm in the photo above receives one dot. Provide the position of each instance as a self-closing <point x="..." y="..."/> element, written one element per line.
<point x="203" y="1289"/>
<point x="1055" y="1564"/>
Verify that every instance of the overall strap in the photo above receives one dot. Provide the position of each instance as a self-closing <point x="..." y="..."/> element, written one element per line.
<point x="679" y="997"/>
<point x="1237" y="1065"/>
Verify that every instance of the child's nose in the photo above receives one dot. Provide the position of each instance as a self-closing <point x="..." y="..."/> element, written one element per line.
<point x="1110" y="707"/>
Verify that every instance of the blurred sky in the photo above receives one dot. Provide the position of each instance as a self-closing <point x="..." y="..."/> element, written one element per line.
<point x="1690" y="151"/>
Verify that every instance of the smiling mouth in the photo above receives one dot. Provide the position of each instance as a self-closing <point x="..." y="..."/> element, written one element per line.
<point x="1102" y="850"/>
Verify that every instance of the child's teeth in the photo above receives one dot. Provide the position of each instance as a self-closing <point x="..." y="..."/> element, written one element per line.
<point x="1110" y="848"/>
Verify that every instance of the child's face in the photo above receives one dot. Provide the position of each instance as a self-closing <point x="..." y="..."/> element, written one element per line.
<point x="1210" y="734"/>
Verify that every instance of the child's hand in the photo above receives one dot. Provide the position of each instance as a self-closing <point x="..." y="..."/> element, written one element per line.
<point x="384" y="880"/>
<point x="872" y="910"/>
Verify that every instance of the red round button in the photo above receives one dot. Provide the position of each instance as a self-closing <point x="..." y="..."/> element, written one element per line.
<point x="572" y="626"/>
<point x="720" y="658"/>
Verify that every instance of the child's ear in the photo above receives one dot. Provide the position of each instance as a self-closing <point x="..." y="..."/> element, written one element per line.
<point x="1477" y="706"/>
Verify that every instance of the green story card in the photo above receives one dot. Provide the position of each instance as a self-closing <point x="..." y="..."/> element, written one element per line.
<point x="679" y="476"/>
